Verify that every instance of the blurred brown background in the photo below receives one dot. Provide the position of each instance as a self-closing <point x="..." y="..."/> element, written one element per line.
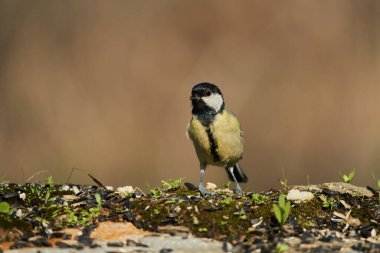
<point x="104" y="86"/>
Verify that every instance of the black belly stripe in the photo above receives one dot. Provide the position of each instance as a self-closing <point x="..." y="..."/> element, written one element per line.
<point x="213" y="145"/>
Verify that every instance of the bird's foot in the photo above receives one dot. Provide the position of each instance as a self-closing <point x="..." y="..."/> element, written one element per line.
<point x="238" y="190"/>
<point x="205" y="191"/>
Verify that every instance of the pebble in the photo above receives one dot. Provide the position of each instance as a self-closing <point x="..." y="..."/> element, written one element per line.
<point x="165" y="250"/>
<point x="190" y="244"/>
<point x="61" y="235"/>
<point x="62" y="245"/>
<point x="19" y="245"/>
<point x="211" y="186"/>
<point x="190" y="186"/>
<point x="115" y="244"/>
<point x="297" y="195"/>
<point x="41" y="242"/>
<point x="132" y="243"/>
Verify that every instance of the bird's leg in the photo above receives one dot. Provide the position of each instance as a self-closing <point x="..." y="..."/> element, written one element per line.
<point x="238" y="190"/>
<point x="202" y="189"/>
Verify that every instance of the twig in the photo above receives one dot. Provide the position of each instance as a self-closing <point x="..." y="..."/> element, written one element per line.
<point x="97" y="181"/>
<point x="88" y="173"/>
<point x="35" y="174"/>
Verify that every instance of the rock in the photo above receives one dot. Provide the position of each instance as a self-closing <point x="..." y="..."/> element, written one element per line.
<point x="297" y="195"/>
<point x="340" y="187"/>
<point x="176" y="243"/>
<point x="116" y="231"/>
<point x="211" y="186"/>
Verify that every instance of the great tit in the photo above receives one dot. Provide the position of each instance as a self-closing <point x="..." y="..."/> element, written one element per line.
<point x="216" y="134"/>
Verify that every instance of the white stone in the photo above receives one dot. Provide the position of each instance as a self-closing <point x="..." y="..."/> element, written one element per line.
<point x="75" y="190"/>
<point x="65" y="188"/>
<point x="125" y="189"/>
<point x="110" y="188"/>
<point x="19" y="213"/>
<point x="211" y="186"/>
<point x="22" y="196"/>
<point x="297" y="195"/>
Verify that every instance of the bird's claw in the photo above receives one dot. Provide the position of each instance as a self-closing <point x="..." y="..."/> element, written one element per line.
<point x="205" y="191"/>
<point x="238" y="191"/>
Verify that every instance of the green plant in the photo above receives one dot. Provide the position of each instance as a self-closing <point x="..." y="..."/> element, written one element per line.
<point x="226" y="185"/>
<point x="284" y="180"/>
<point x="328" y="202"/>
<point x="281" y="247"/>
<point x="156" y="193"/>
<point x="170" y="201"/>
<point x="156" y="211"/>
<point x="49" y="181"/>
<point x="282" y="210"/>
<point x="241" y="214"/>
<point x="94" y="211"/>
<point x="87" y="216"/>
<point x="348" y="178"/>
<point x="5" y="208"/>
<point x="171" y="184"/>
<point x="227" y="201"/>
<point x="259" y="198"/>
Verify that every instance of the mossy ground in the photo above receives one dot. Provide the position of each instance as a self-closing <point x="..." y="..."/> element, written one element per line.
<point x="223" y="216"/>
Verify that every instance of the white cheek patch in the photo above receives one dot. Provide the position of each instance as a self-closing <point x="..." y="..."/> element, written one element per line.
<point x="215" y="101"/>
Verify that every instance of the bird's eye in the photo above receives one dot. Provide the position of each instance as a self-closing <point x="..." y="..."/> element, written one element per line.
<point x="207" y="93"/>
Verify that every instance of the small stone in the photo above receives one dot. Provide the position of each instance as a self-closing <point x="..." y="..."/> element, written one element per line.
<point x="115" y="244"/>
<point x="62" y="245"/>
<point x="166" y="250"/>
<point x="190" y="186"/>
<point x="61" y="235"/>
<point x="211" y="186"/>
<point x="307" y="238"/>
<point x="75" y="190"/>
<point x="373" y="233"/>
<point x="297" y="195"/>
<point x="132" y="243"/>
<point x="212" y="208"/>
<point x="65" y="188"/>
<point x="292" y="241"/>
<point x="26" y="235"/>
<point x="19" y="213"/>
<point x="125" y="190"/>
<point x="19" y="245"/>
<point x="10" y="195"/>
<point x="344" y="203"/>
<point x="22" y="196"/>
<point x="69" y="197"/>
<point x="42" y="242"/>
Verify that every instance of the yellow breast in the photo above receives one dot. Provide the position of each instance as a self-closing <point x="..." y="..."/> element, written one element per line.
<point x="198" y="135"/>
<point x="227" y="134"/>
<point x="225" y="130"/>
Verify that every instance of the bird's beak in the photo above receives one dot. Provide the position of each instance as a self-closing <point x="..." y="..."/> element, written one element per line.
<point x="194" y="97"/>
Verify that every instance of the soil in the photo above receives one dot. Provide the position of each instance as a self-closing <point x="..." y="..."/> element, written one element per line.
<point x="338" y="217"/>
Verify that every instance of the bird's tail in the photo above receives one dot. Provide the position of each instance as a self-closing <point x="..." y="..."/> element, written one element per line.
<point x="238" y="173"/>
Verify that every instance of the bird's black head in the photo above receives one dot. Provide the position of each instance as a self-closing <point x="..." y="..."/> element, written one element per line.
<point x="207" y="100"/>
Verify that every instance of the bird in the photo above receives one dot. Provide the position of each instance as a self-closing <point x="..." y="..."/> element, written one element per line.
<point x="216" y="134"/>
